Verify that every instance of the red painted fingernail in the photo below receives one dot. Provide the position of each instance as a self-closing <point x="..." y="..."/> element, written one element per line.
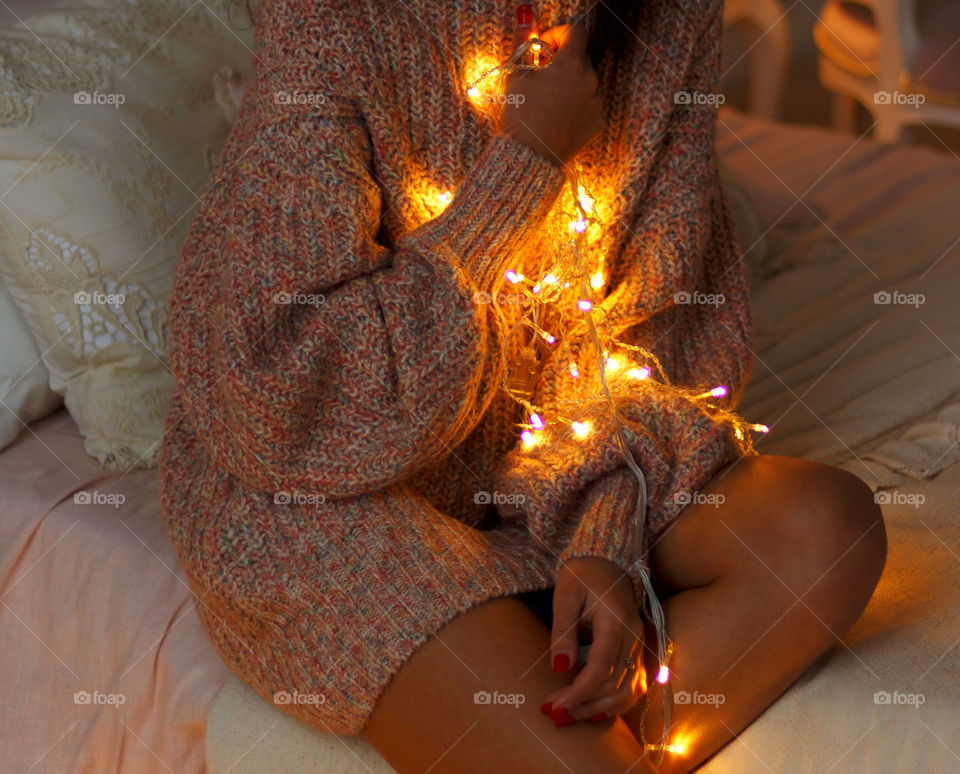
<point x="562" y="717"/>
<point x="546" y="708"/>
<point x="561" y="662"/>
<point x="599" y="717"/>
<point x="559" y="713"/>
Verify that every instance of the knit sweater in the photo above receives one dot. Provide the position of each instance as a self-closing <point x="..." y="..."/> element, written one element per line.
<point x="340" y="472"/>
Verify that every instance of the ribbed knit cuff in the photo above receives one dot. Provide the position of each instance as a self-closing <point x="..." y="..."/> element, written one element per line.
<point x="501" y="202"/>
<point x="607" y="528"/>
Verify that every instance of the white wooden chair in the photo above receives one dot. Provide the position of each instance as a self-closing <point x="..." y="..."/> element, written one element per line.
<point x="766" y="33"/>
<point x="898" y="58"/>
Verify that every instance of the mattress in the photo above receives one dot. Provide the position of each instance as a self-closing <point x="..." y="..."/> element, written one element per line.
<point x="107" y="669"/>
<point x="105" y="665"/>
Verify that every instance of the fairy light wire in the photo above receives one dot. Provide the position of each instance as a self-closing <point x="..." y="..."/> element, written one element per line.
<point x="549" y="290"/>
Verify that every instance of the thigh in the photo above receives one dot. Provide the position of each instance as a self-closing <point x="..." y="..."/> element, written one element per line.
<point x="770" y="516"/>
<point x="428" y="719"/>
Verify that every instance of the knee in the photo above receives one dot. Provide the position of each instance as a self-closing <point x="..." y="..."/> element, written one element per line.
<point x="827" y="534"/>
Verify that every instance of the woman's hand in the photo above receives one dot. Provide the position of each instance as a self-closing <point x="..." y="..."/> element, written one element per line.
<point x="597" y="595"/>
<point x="561" y="110"/>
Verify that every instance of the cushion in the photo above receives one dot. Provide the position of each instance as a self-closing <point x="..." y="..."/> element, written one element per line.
<point x="110" y="128"/>
<point x="25" y="392"/>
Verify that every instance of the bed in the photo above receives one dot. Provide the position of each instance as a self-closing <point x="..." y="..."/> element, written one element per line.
<point x="95" y="608"/>
<point x="852" y="248"/>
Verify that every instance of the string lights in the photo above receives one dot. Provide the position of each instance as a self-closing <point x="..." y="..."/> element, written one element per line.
<point x="564" y="301"/>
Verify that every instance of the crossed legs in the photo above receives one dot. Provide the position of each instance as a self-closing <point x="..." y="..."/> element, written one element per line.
<point x="754" y="588"/>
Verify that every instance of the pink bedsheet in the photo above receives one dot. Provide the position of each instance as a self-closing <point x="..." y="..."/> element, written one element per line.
<point x="92" y="599"/>
<point x="105" y="667"/>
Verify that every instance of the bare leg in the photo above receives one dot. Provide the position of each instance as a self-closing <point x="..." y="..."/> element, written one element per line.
<point x="427" y="718"/>
<point x="761" y="585"/>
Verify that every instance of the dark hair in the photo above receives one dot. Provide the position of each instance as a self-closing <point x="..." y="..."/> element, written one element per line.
<point x="614" y="29"/>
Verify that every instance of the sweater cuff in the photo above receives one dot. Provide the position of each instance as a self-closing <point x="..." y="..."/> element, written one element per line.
<point x="608" y="528"/>
<point x="502" y="201"/>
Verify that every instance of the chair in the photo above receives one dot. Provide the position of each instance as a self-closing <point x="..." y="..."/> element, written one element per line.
<point x="898" y="58"/>
<point x="766" y="32"/>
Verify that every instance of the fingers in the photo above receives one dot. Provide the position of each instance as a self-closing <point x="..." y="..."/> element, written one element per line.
<point x="606" y="707"/>
<point x="625" y="657"/>
<point x="525" y="25"/>
<point x="569" y="41"/>
<point x="601" y="660"/>
<point x="567" y="607"/>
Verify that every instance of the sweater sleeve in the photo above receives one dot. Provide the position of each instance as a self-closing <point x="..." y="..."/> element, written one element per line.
<point x="579" y="494"/>
<point x="313" y="357"/>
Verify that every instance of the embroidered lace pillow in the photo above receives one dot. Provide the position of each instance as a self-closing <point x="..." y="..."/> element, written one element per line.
<point x="109" y="126"/>
<point x="25" y="392"/>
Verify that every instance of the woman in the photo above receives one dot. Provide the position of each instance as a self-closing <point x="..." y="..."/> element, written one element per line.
<point x="371" y="547"/>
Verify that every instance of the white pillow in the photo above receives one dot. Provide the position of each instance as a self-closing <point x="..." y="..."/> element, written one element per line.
<point x="99" y="191"/>
<point x="25" y="392"/>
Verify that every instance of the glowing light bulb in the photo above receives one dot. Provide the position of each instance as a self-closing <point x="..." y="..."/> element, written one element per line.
<point x="537" y="421"/>
<point x="664" y="674"/>
<point x="716" y="392"/>
<point x="444" y="198"/>
<point x="596" y="281"/>
<point x="529" y="439"/>
<point x="581" y="429"/>
<point x="535" y="289"/>
<point x="550" y="279"/>
<point x="639" y="373"/>
<point x="613" y="363"/>
<point x="550" y="338"/>
<point x="473" y="92"/>
<point x="574" y="372"/>
<point x="513" y="276"/>
<point x="579" y="225"/>
<point x="585" y="305"/>
<point x="677" y="748"/>
<point x="760" y="428"/>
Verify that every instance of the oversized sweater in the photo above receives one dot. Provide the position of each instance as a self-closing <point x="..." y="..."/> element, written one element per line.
<point x="341" y="474"/>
